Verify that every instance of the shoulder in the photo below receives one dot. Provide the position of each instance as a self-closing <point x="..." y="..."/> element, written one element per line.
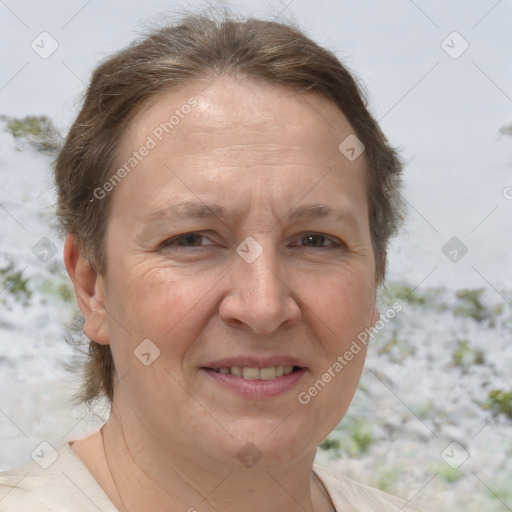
<point x="347" y="494"/>
<point x="58" y="482"/>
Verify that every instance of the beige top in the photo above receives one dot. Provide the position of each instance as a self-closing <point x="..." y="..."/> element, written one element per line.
<point x="67" y="486"/>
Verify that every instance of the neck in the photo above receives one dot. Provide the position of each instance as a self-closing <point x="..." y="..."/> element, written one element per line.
<point x="147" y="477"/>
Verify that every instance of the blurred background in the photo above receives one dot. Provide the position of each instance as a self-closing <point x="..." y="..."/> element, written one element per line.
<point x="432" y="420"/>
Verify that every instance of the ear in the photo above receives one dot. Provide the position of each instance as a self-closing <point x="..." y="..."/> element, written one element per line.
<point x="90" y="292"/>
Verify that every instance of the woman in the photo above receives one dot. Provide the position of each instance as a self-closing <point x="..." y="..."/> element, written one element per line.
<point x="227" y="201"/>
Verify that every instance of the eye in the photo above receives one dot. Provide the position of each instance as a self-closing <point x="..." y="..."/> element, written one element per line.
<point x="186" y="240"/>
<point x="194" y="239"/>
<point x="317" y="240"/>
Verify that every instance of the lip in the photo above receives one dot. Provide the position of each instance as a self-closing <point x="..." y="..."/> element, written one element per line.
<point x="257" y="389"/>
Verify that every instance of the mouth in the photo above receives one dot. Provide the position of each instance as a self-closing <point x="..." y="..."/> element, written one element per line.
<point x="255" y="373"/>
<point x="256" y="379"/>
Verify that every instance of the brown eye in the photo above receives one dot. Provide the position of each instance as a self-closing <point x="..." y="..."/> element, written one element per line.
<point x="185" y="240"/>
<point x="314" y="240"/>
<point x="190" y="240"/>
<point x="318" y="241"/>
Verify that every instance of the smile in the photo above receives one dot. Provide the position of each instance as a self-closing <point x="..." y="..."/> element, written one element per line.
<point x="251" y="373"/>
<point x="253" y="383"/>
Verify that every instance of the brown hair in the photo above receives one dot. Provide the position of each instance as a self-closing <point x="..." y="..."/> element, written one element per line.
<point x="193" y="48"/>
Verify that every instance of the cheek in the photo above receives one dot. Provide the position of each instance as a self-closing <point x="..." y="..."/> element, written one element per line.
<point x="165" y="305"/>
<point x="151" y="300"/>
<point x="344" y="304"/>
<point x="158" y="306"/>
<point x="343" y="309"/>
<point x="147" y="305"/>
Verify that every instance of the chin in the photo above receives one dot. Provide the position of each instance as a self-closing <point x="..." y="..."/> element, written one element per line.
<point x="264" y="443"/>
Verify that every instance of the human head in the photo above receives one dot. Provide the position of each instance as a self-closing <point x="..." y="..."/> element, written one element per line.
<point x="192" y="49"/>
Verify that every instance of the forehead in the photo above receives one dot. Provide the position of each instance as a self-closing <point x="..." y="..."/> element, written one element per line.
<point x="214" y="129"/>
<point x="242" y="113"/>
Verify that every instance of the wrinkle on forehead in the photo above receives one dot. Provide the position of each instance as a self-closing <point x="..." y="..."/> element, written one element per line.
<point x="242" y="112"/>
<point x="243" y="140"/>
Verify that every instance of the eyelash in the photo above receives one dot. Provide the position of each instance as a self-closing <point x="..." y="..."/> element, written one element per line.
<point x="170" y="243"/>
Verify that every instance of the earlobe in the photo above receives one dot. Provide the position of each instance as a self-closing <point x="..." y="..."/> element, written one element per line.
<point x="90" y="292"/>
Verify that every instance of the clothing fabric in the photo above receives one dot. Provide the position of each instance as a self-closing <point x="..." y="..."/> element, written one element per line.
<point x="66" y="485"/>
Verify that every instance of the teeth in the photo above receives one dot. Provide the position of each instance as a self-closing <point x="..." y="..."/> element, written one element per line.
<point x="236" y="370"/>
<point x="251" y="373"/>
<point x="272" y="372"/>
<point x="268" y="373"/>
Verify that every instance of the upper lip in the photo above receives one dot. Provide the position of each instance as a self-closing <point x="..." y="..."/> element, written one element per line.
<point x="253" y="362"/>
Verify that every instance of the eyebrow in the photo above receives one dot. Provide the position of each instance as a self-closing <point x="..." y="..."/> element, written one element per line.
<point x="203" y="210"/>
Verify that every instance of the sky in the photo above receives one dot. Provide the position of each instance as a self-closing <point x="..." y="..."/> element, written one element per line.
<point x="439" y="80"/>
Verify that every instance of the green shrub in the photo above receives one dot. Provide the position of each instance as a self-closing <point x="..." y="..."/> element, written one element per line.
<point x="466" y="356"/>
<point x="12" y="281"/>
<point x="352" y="436"/>
<point x="355" y="436"/>
<point x="500" y="402"/>
<point x="38" y="130"/>
<point x="388" y="478"/>
<point x="330" y="444"/>
<point x="402" y="293"/>
<point x="397" y="348"/>
<point x="405" y="294"/>
<point x="362" y="436"/>
<point x="58" y="288"/>
<point x="449" y="474"/>
<point x="471" y="305"/>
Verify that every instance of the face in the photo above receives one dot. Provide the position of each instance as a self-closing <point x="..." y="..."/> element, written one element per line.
<point x="238" y="243"/>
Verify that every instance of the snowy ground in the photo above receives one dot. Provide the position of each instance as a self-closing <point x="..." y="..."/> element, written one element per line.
<point x="419" y="394"/>
<point x="425" y="386"/>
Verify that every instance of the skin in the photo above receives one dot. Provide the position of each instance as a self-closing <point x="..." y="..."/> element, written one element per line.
<point x="172" y="438"/>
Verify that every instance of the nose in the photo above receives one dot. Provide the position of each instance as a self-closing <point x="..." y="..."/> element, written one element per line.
<point x="260" y="297"/>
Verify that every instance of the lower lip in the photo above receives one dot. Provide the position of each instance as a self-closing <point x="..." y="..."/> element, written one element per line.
<point x="257" y="389"/>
